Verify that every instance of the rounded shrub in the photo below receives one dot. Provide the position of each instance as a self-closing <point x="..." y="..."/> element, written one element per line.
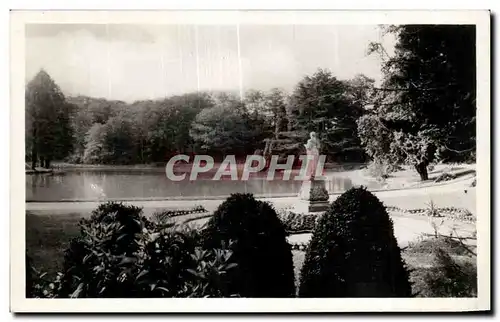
<point x="260" y="249"/>
<point x="353" y="252"/>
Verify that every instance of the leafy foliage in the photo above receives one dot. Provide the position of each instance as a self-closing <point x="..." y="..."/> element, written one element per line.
<point x="30" y="271"/>
<point x="47" y="121"/>
<point x="121" y="254"/>
<point x="101" y="131"/>
<point x="263" y="255"/>
<point x="95" y="144"/>
<point x="276" y="106"/>
<point x="377" y="139"/>
<point x="323" y="104"/>
<point x="381" y="169"/>
<point x="297" y="222"/>
<point x="224" y="128"/>
<point x="453" y="272"/>
<point x="427" y="102"/>
<point x="353" y="252"/>
<point x="142" y="132"/>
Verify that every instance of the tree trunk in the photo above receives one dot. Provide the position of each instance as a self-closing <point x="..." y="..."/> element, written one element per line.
<point x="421" y="168"/>
<point x="34" y="154"/>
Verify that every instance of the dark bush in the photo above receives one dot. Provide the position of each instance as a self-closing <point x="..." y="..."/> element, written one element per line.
<point x="30" y="278"/>
<point x="448" y="276"/>
<point x="353" y="252"/>
<point x="260" y="248"/>
<point x="38" y="285"/>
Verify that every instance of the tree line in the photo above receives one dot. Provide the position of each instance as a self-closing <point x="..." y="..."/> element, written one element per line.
<point x="423" y="111"/>
<point x="99" y="131"/>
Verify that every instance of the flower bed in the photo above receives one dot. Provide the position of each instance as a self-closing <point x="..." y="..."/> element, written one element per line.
<point x="297" y="223"/>
<point x="453" y="213"/>
<point x="165" y="215"/>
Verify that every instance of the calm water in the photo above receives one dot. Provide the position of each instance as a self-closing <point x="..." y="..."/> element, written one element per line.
<point x="93" y="185"/>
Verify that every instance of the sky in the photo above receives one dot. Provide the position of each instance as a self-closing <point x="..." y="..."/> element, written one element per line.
<point x="135" y="62"/>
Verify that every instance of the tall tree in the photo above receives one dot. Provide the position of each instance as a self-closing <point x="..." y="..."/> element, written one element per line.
<point x="276" y="105"/>
<point x="361" y="90"/>
<point x="48" y="120"/>
<point x="255" y="101"/>
<point x="321" y="103"/>
<point x="95" y="145"/>
<point x="428" y="97"/>
<point x="224" y="128"/>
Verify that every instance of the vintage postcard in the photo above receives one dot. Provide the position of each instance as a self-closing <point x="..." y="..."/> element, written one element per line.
<point x="250" y="161"/>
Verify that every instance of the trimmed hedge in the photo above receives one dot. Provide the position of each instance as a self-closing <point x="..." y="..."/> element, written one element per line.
<point x="260" y="248"/>
<point x="353" y="252"/>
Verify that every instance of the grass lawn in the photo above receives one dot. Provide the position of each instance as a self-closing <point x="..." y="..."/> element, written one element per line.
<point x="47" y="237"/>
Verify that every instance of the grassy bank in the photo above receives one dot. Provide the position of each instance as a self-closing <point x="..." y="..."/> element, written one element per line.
<point x="47" y="237"/>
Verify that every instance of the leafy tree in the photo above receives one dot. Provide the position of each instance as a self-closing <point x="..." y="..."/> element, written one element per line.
<point x="255" y="101"/>
<point x="276" y="105"/>
<point x="144" y="131"/>
<point x="119" y="140"/>
<point x="81" y="123"/>
<point x="87" y="112"/>
<point x="224" y="128"/>
<point x="428" y="98"/>
<point x="47" y="121"/>
<point x="361" y="90"/>
<point x="320" y="103"/>
<point x="95" y="144"/>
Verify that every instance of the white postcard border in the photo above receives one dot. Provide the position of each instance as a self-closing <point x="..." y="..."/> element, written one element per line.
<point x="17" y="181"/>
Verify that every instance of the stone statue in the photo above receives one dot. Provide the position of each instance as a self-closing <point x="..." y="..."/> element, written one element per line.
<point x="313" y="147"/>
<point x="313" y="196"/>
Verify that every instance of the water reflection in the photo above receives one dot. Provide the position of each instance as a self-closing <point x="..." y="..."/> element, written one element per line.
<point x="94" y="185"/>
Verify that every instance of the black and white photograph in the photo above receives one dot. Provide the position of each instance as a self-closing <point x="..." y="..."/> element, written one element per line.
<point x="306" y="156"/>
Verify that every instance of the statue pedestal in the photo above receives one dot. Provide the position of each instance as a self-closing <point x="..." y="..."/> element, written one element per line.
<point x="313" y="197"/>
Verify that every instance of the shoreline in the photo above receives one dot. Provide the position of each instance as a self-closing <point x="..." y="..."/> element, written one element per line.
<point x="260" y="196"/>
<point x="442" y="196"/>
<point x="160" y="166"/>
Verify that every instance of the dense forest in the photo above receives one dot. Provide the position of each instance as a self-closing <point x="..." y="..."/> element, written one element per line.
<point x="100" y="131"/>
<point x="424" y="111"/>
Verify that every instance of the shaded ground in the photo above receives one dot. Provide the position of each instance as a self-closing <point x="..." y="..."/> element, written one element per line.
<point x="421" y="262"/>
<point x="408" y="177"/>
